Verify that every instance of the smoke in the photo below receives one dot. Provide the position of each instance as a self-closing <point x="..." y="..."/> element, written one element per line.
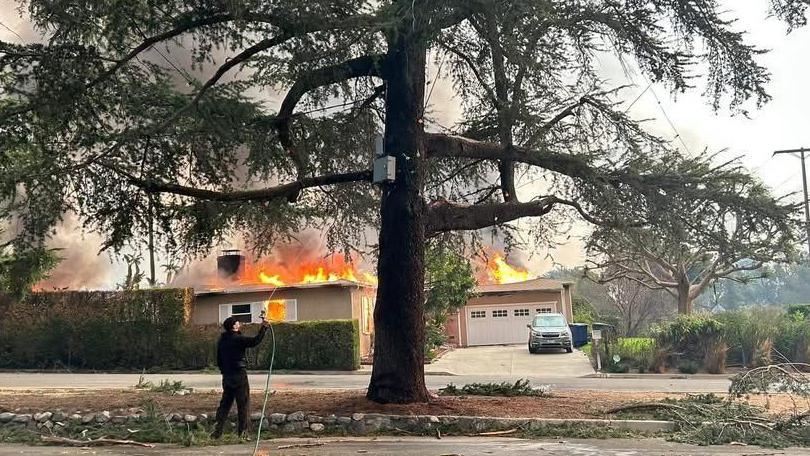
<point x="82" y="267"/>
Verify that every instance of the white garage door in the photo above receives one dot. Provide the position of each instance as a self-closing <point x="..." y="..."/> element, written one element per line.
<point x="502" y="324"/>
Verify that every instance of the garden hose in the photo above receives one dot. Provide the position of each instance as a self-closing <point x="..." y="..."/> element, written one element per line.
<point x="267" y="381"/>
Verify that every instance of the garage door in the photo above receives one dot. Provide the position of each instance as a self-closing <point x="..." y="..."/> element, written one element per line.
<point x="503" y="324"/>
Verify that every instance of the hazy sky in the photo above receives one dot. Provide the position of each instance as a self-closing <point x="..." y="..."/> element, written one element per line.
<point x="782" y="123"/>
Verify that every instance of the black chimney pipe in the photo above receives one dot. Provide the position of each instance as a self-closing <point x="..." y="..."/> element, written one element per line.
<point x="230" y="263"/>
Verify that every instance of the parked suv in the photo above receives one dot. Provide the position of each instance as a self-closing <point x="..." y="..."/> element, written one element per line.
<point x="549" y="330"/>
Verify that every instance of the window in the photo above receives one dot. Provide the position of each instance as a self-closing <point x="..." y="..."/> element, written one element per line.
<point x="241" y="312"/>
<point x="549" y="321"/>
<point x="521" y="312"/>
<point x="366" y="314"/>
<point x="478" y="314"/>
<point x="250" y="312"/>
<point x="500" y="313"/>
<point x="544" y="310"/>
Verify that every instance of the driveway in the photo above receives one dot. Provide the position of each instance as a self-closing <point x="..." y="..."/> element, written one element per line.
<point x="512" y="361"/>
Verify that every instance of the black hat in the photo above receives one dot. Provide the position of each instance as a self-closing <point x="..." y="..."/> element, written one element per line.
<point x="228" y="323"/>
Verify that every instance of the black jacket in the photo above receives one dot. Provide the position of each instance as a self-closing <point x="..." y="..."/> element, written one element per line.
<point x="231" y="350"/>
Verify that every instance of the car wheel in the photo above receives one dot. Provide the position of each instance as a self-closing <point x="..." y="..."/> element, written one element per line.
<point x="569" y="350"/>
<point x="532" y="351"/>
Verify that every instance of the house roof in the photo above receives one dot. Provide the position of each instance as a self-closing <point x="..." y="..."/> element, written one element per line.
<point x="529" y="285"/>
<point x="258" y="288"/>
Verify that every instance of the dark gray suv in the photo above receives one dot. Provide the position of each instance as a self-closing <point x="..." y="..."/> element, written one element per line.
<point x="549" y="330"/>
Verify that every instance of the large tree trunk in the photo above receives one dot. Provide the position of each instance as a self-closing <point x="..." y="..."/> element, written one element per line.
<point x="684" y="298"/>
<point x="399" y="339"/>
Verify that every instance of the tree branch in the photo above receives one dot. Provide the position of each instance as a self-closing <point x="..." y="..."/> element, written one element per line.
<point x="446" y="216"/>
<point x="240" y="58"/>
<point x="368" y="65"/>
<point x="290" y="190"/>
<point x="567" y="112"/>
<point x="441" y="145"/>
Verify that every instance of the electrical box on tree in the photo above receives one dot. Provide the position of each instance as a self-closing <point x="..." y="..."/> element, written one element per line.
<point x="385" y="166"/>
<point x="385" y="169"/>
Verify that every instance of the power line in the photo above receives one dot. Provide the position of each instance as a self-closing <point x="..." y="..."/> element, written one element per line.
<point x="658" y="101"/>
<point x="12" y="31"/>
<point x="638" y="98"/>
<point x="436" y="78"/>
<point x="669" y="120"/>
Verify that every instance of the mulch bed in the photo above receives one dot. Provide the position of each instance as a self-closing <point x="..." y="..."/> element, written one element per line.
<point x="563" y="404"/>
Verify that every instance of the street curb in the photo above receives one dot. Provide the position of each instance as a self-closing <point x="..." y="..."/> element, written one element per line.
<point x="662" y="376"/>
<point x="357" y="372"/>
<point x="361" y="424"/>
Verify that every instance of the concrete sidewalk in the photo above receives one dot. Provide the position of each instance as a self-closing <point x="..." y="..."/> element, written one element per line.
<point x="513" y="361"/>
<point x="412" y="446"/>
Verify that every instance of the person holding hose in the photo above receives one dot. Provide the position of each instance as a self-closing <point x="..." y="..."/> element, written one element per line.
<point x="231" y="361"/>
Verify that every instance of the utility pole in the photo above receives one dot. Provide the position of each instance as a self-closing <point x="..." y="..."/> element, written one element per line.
<point x="801" y="152"/>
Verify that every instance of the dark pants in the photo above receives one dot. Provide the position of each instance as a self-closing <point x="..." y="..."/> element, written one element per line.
<point x="234" y="387"/>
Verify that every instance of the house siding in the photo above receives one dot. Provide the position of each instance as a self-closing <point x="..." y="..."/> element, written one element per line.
<point x="319" y="303"/>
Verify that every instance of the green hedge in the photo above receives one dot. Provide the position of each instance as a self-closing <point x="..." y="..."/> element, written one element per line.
<point x="148" y="329"/>
<point x="314" y="345"/>
<point x="94" y="330"/>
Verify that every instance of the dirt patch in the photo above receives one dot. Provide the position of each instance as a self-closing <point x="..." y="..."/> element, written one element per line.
<point x="568" y="404"/>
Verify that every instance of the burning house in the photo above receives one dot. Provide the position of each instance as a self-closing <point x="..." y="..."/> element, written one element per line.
<point x="300" y="289"/>
<point x="309" y="290"/>
<point x="499" y="312"/>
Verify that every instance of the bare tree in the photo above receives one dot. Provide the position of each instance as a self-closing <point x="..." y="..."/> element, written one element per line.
<point x="694" y="244"/>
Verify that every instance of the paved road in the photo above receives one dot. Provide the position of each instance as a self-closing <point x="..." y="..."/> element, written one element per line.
<point x="28" y="381"/>
<point x="512" y="360"/>
<point x="428" y="447"/>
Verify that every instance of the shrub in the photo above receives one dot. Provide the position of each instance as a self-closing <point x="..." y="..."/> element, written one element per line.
<point x="800" y="310"/>
<point x="714" y="361"/>
<point x="792" y="340"/>
<point x="583" y="311"/>
<point x="763" y="356"/>
<point x="688" y="367"/>
<point x="746" y="330"/>
<point x="316" y="345"/>
<point x="636" y="352"/>
<point x="147" y="329"/>
<point x="519" y="388"/>
<point x="93" y="330"/>
<point x="688" y="337"/>
<point x="661" y="359"/>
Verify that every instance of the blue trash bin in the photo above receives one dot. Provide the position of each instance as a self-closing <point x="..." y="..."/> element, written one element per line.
<point x="579" y="334"/>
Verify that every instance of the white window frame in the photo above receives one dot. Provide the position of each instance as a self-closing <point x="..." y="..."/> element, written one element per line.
<point x="366" y="314"/>
<point x="256" y="307"/>
<point x="500" y="313"/>
<point x="521" y="313"/>
<point x="543" y="307"/>
<point x="478" y="314"/>
<point x="232" y="313"/>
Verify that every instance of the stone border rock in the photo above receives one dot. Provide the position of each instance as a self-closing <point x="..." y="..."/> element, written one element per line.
<point x="357" y="424"/>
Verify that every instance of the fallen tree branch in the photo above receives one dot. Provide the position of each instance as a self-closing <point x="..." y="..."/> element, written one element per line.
<point x="92" y="442"/>
<point x="510" y="431"/>
<point x="300" y="445"/>
<point x="643" y="406"/>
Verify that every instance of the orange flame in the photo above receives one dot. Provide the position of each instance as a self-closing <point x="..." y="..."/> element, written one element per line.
<point x="499" y="271"/>
<point x="318" y="270"/>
